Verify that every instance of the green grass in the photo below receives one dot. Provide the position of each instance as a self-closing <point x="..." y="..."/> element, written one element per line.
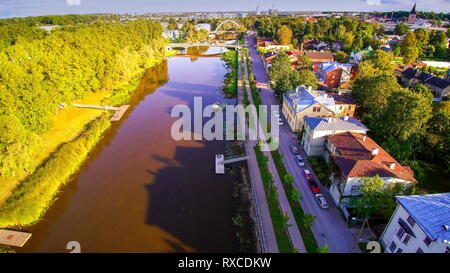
<point x="231" y="79"/>
<point x="321" y="169"/>
<point x="283" y="240"/>
<point x="33" y="196"/>
<point x="307" y="234"/>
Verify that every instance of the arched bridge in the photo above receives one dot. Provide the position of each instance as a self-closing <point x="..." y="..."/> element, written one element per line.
<point x="229" y="20"/>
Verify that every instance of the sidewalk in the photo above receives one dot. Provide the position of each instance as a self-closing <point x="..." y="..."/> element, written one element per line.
<point x="262" y="209"/>
<point x="294" y="233"/>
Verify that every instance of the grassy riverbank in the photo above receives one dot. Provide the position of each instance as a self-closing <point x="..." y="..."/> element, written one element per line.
<point x="24" y="199"/>
<point x="231" y="79"/>
<point x="31" y="199"/>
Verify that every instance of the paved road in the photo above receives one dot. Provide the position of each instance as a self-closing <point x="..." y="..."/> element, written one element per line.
<point x="329" y="227"/>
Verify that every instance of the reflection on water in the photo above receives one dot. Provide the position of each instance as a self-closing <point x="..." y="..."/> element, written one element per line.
<point x="141" y="191"/>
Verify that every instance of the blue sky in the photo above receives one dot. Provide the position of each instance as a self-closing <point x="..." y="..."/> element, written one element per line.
<point x="20" y="8"/>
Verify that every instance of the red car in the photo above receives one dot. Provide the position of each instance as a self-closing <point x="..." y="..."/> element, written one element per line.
<point x="313" y="186"/>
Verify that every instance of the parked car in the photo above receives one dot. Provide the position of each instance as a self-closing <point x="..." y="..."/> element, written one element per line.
<point x="293" y="149"/>
<point x="307" y="174"/>
<point x="300" y="161"/>
<point x="321" y="201"/>
<point x="313" y="186"/>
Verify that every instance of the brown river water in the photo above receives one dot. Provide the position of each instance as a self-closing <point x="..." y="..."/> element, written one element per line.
<point x="142" y="191"/>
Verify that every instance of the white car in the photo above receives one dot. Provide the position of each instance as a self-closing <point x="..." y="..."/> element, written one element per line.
<point x="321" y="201"/>
<point x="300" y="161"/>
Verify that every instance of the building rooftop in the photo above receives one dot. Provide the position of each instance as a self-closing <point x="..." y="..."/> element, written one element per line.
<point x="358" y="155"/>
<point x="319" y="55"/>
<point x="334" y="124"/>
<point x="331" y="65"/>
<point x="431" y="212"/>
<point x="302" y="98"/>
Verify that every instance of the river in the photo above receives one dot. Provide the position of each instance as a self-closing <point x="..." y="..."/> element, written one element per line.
<point x="142" y="191"/>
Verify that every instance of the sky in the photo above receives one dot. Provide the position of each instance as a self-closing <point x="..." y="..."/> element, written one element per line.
<point x="21" y="8"/>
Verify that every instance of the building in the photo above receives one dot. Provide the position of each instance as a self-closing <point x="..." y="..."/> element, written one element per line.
<point x="333" y="74"/>
<point x="355" y="156"/>
<point x="316" y="129"/>
<point x="419" y="224"/>
<point x="172" y="34"/>
<point x="358" y="56"/>
<point x="305" y="102"/>
<point x="412" y="17"/>
<point x="439" y="87"/>
<point x="318" y="57"/>
<point x="345" y="104"/>
<point x="264" y="42"/>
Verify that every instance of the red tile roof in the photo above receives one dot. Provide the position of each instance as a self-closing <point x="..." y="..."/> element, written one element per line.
<point x="319" y="55"/>
<point x="355" y="159"/>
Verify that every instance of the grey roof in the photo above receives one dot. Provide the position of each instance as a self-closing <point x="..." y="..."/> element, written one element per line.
<point x="334" y="124"/>
<point x="431" y="212"/>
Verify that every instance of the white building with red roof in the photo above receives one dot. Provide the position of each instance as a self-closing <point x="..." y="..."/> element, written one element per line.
<point x="355" y="156"/>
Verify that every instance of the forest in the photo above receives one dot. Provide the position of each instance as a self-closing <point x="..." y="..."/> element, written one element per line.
<point x="40" y="71"/>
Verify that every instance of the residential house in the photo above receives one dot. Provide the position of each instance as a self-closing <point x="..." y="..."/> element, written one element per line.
<point x="358" y="56"/>
<point x="439" y="87"/>
<point x="264" y="42"/>
<point x="316" y="129"/>
<point x="333" y="74"/>
<point x="419" y="224"/>
<point x="318" y="57"/>
<point x="305" y="102"/>
<point x="345" y="104"/>
<point x="355" y="156"/>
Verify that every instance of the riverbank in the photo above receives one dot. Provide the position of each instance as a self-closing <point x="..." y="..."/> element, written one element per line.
<point x="73" y="135"/>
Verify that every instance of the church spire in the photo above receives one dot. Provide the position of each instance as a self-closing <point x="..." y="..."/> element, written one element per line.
<point x="413" y="11"/>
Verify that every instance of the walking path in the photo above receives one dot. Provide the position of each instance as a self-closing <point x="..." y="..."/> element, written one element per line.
<point x="269" y="241"/>
<point x="285" y="207"/>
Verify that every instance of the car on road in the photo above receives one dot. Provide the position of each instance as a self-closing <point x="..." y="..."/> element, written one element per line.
<point x="307" y="174"/>
<point x="300" y="161"/>
<point x="321" y="201"/>
<point x="280" y="122"/>
<point x="294" y="149"/>
<point x="313" y="186"/>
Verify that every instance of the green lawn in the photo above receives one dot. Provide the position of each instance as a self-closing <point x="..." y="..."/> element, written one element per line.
<point x="307" y="235"/>
<point x="283" y="240"/>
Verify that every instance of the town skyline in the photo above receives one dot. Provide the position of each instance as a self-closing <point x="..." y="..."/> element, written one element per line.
<point x="24" y="8"/>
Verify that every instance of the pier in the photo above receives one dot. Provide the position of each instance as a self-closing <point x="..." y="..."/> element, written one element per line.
<point x="13" y="238"/>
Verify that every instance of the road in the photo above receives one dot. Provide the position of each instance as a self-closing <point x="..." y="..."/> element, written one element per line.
<point x="329" y="227"/>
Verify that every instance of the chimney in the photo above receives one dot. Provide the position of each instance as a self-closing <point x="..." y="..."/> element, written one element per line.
<point x="346" y="118"/>
<point x="329" y="119"/>
<point x="309" y="88"/>
<point x="364" y="137"/>
<point x="375" y="151"/>
<point x="392" y="166"/>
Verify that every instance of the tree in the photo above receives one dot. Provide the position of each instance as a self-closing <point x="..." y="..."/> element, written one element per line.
<point x="422" y="39"/>
<point x="401" y="29"/>
<point x="285" y="221"/>
<point x="423" y="90"/>
<point x="288" y="179"/>
<point x="284" y="35"/>
<point x="308" y="78"/>
<point x="308" y="220"/>
<point x="295" y="194"/>
<point x="409" y="48"/>
<point x="341" y="57"/>
<point x="304" y="62"/>
<point x="282" y="76"/>
<point x="382" y="60"/>
<point x="373" y="195"/>
<point x="405" y="114"/>
<point x="323" y="249"/>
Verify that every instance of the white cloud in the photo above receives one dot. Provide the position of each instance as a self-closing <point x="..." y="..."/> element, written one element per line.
<point x="73" y="2"/>
<point x="373" y="2"/>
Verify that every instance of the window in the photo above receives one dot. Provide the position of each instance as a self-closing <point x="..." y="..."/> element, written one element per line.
<point x="400" y="233"/>
<point x="349" y="107"/>
<point x="341" y="107"/>
<point x="411" y="221"/>
<point x="316" y="109"/>
<point x="355" y="188"/>
<point x="392" y="247"/>
<point x="419" y="250"/>
<point x="406" y="240"/>
<point x="427" y="241"/>
<point x="399" y="250"/>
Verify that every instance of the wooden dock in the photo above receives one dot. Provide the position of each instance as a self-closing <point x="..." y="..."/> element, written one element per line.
<point x="119" y="113"/>
<point x="13" y="238"/>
